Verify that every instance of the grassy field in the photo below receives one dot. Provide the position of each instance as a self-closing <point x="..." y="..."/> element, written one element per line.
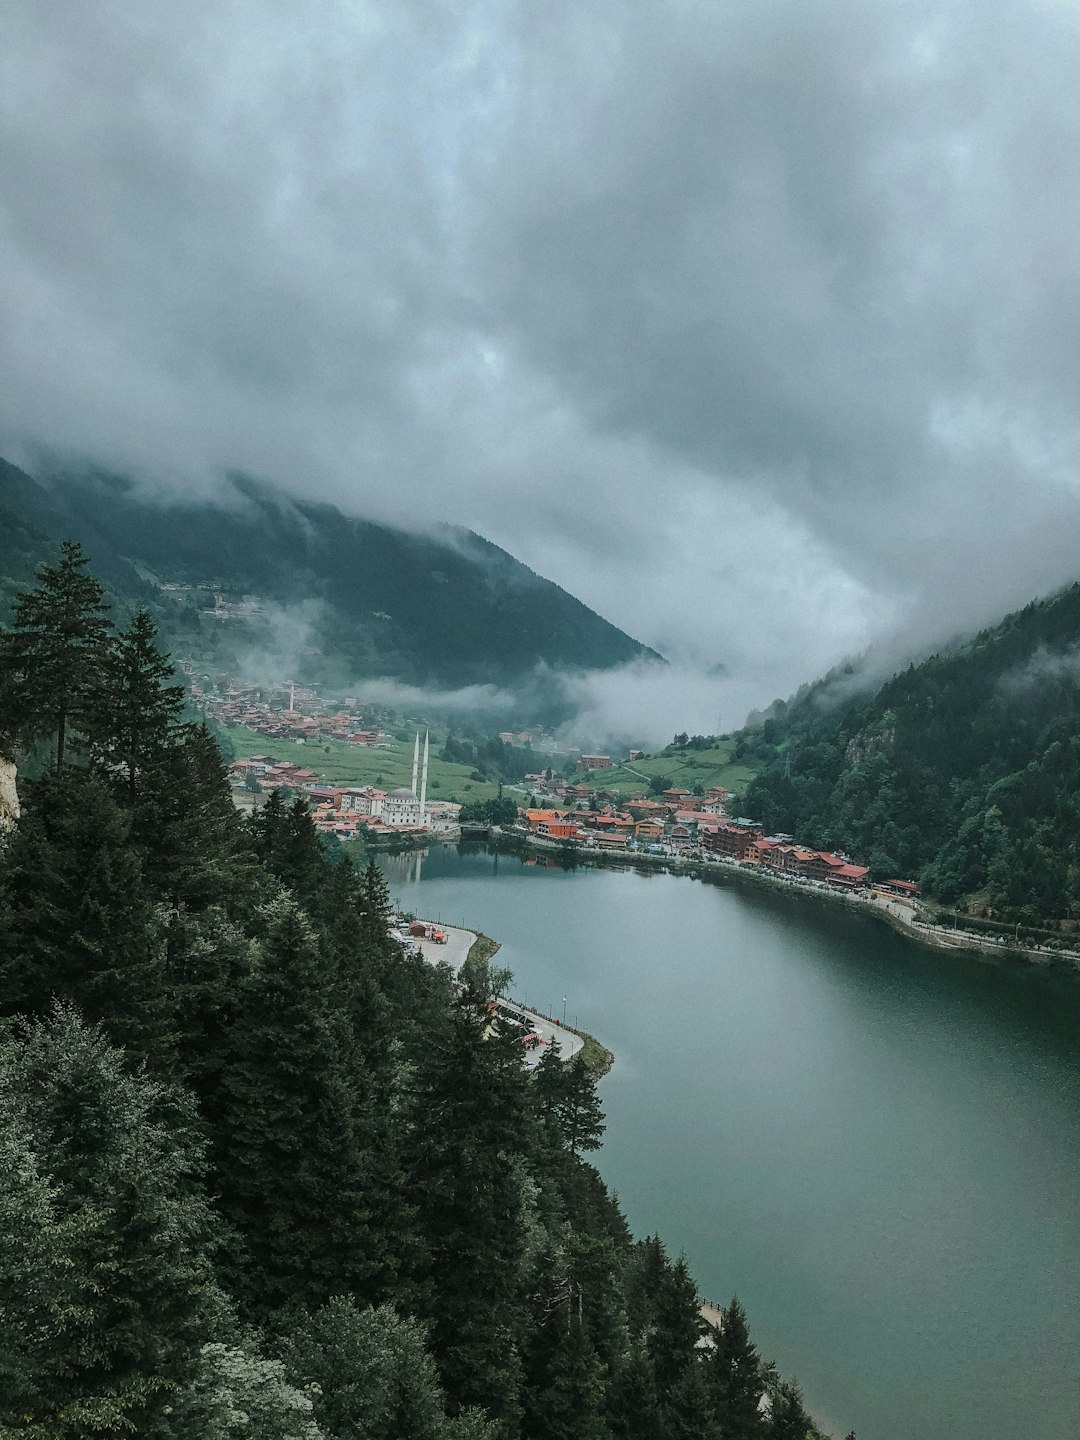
<point x="683" y="769"/>
<point x="340" y="764"/>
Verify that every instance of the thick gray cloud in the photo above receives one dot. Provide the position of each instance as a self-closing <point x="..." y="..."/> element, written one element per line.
<point x="756" y="325"/>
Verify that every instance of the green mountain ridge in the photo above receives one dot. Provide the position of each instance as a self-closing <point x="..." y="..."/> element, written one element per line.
<point x="443" y="609"/>
<point x="962" y="770"/>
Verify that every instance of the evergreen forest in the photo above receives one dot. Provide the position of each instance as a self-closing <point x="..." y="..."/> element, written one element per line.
<point x="264" y="1174"/>
<point x="962" y="771"/>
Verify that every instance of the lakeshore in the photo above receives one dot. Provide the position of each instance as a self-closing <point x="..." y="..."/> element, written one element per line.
<point x="901" y="914"/>
<point x="463" y="946"/>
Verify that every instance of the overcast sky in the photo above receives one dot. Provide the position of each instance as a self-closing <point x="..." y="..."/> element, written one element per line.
<point x="756" y="325"/>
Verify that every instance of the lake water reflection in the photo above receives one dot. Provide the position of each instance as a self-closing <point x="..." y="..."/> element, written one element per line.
<point x="875" y="1145"/>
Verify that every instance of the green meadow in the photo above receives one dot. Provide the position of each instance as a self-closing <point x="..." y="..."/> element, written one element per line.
<point x="338" y="763"/>
<point x="678" y="768"/>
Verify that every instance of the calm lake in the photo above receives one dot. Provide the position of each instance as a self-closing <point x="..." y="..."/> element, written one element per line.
<point x="875" y="1145"/>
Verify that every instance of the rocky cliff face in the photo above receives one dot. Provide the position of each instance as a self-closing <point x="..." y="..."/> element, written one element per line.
<point x="9" y="796"/>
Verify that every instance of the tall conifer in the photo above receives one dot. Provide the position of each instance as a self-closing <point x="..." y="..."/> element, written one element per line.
<point x="54" y="654"/>
<point x="77" y="924"/>
<point x="118" y="1155"/>
<point x="290" y="1166"/>
<point x="736" y="1374"/>
<point x="788" y="1420"/>
<point x="134" y="714"/>
<point x="476" y="1116"/>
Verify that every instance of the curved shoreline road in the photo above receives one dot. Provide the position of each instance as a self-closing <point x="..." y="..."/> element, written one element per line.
<point x="458" y="944"/>
<point x="548" y="1030"/>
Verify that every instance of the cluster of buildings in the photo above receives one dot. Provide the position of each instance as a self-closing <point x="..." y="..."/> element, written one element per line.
<point x="283" y="712"/>
<point x="677" y="824"/>
<point x="745" y="842"/>
<point x="673" y="820"/>
<point x="343" y="810"/>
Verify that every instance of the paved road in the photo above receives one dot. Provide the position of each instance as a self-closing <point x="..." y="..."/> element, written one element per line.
<point x="569" y="1043"/>
<point x="458" y="944"/>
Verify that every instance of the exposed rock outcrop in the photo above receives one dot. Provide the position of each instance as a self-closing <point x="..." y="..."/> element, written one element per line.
<point x="9" y="795"/>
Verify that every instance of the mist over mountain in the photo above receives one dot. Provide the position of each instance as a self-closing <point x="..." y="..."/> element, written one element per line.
<point x="259" y="580"/>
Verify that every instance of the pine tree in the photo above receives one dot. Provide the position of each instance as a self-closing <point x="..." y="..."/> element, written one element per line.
<point x="688" y="1412"/>
<point x="370" y="1370"/>
<point x="288" y="845"/>
<point x="118" y="1181"/>
<point x="565" y="1383"/>
<point x="134" y="715"/>
<point x="43" y="1297"/>
<point x="664" y="1316"/>
<point x="474" y="1210"/>
<point x="291" y="1168"/>
<point x="583" y="1119"/>
<point x="54" y="654"/>
<point x="375" y="905"/>
<point x="77" y="924"/>
<point x="209" y="959"/>
<point x="789" y="1420"/>
<point x="549" y="1084"/>
<point x="634" y="1404"/>
<point x="736" y="1374"/>
<point x="677" y="1323"/>
<point x="188" y="826"/>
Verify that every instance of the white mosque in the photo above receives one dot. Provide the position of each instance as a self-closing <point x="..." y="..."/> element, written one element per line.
<point x="404" y="807"/>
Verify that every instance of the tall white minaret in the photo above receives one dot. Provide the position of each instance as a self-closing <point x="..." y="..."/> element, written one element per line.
<point x="292" y="694"/>
<point x="415" y="761"/>
<point x="423" y="783"/>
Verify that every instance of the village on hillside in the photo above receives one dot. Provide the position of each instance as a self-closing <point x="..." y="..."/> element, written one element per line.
<point x="284" y="711"/>
<point x="675" y="822"/>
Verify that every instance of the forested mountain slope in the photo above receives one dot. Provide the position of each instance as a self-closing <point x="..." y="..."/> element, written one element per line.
<point x="261" y="1173"/>
<point x="445" y="608"/>
<point x="963" y="770"/>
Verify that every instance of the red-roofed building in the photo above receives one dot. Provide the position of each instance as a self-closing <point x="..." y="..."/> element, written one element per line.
<point x="907" y="888"/>
<point x="849" y="875"/>
<point x="731" y="841"/>
<point x="643" y="809"/>
<point x="552" y="824"/>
